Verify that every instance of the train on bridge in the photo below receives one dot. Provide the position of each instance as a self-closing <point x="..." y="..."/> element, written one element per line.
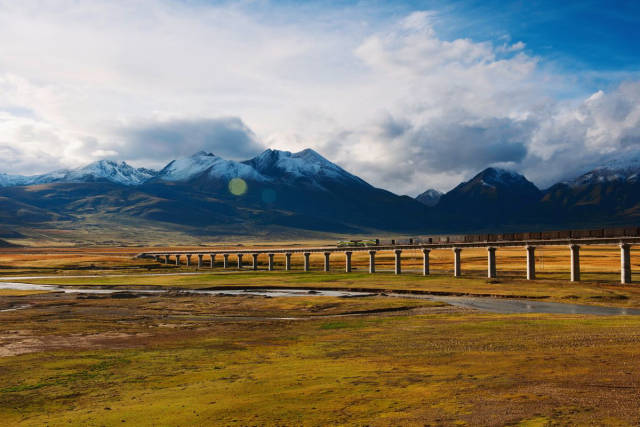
<point x="503" y="237"/>
<point x="625" y="237"/>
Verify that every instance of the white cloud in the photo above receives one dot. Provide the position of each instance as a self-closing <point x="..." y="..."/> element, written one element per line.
<point x="386" y="98"/>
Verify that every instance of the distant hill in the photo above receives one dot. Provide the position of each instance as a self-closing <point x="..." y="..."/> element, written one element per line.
<point x="609" y="194"/>
<point x="284" y="193"/>
<point x="430" y="197"/>
<point x="498" y="199"/>
<point x="102" y="170"/>
<point x="302" y="191"/>
<point x="492" y="199"/>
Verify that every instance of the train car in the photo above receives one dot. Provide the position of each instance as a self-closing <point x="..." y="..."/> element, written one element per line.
<point x="613" y="232"/>
<point x="356" y="243"/>
<point x="523" y="236"/>
<point x="596" y="233"/>
<point x="532" y="236"/>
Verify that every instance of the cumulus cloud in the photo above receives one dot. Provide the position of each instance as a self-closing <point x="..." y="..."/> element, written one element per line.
<point x="571" y="139"/>
<point x="465" y="106"/>
<point x="227" y="137"/>
<point x="458" y="107"/>
<point x="385" y="97"/>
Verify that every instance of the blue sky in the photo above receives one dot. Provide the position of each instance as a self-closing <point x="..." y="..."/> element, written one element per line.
<point x="407" y="95"/>
<point x="588" y="35"/>
<point x="600" y="39"/>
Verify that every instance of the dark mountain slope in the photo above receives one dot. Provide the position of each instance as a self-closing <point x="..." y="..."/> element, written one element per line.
<point x="492" y="199"/>
<point x="17" y="212"/>
<point x="298" y="189"/>
<point x="601" y="196"/>
<point x="430" y="197"/>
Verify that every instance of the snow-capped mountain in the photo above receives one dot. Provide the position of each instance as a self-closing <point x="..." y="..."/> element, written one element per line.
<point x="305" y="191"/>
<point x="617" y="169"/>
<point x="286" y="167"/>
<point x="306" y="164"/>
<point x="496" y="177"/>
<point x="430" y="197"/>
<point x="119" y="173"/>
<point x="496" y="180"/>
<point x="187" y="168"/>
<point x="14" y="180"/>
<point x="283" y="190"/>
<point x="271" y="165"/>
<point x="609" y="193"/>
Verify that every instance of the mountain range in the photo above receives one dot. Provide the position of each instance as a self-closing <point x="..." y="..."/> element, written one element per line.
<point x="280" y="192"/>
<point x="498" y="199"/>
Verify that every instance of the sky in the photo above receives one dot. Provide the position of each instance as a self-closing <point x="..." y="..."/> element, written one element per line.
<point x="407" y="95"/>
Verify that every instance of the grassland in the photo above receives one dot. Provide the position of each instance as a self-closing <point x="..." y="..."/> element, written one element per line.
<point x="185" y="359"/>
<point x="600" y="284"/>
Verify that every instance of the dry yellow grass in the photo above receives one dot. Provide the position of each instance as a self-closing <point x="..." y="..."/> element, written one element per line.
<point x="173" y="361"/>
<point x="552" y="262"/>
<point x="183" y="359"/>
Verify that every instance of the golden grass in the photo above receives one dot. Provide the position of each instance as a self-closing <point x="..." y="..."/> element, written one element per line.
<point x="207" y="360"/>
<point x="17" y="292"/>
<point x="550" y="261"/>
<point x="163" y="361"/>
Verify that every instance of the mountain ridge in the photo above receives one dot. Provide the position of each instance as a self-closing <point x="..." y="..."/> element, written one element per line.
<point x="300" y="190"/>
<point x="305" y="191"/>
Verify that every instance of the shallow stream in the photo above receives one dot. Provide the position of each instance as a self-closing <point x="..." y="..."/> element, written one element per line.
<point x="486" y="304"/>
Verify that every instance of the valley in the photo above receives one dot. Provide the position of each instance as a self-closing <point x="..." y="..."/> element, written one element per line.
<point x="136" y="356"/>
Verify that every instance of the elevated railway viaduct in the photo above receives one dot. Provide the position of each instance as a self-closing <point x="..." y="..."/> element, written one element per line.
<point x="625" y="240"/>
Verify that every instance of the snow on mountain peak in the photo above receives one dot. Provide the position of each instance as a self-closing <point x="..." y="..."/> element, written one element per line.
<point x="430" y="197"/>
<point x="121" y="173"/>
<point x="306" y="164"/>
<point x="625" y="168"/>
<point x="268" y="166"/>
<point x="7" y="180"/>
<point x="497" y="176"/>
<point x="186" y="168"/>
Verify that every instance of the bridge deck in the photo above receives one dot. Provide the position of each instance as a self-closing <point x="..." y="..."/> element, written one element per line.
<point x="432" y="246"/>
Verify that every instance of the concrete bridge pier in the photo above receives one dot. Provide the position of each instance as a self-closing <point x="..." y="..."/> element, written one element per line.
<point x="306" y="261"/>
<point x="270" y="265"/>
<point x="327" y="265"/>
<point x="239" y="261"/>
<point x="456" y="262"/>
<point x="491" y="262"/>
<point x="177" y="259"/>
<point x="254" y="264"/>
<point x="531" y="262"/>
<point x="347" y="263"/>
<point x="398" y="263"/>
<point x="213" y="260"/>
<point x="425" y="262"/>
<point x="200" y="260"/>
<point x="166" y="259"/>
<point x="575" y="262"/>
<point x="188" y="256"/>
<point x="372" y="262"/>
<point x="287" y="261"/>
<point x="225" y="262"/>
<point x="625" y="263"/>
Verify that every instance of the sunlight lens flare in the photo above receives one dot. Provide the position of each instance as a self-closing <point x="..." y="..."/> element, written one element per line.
<point x="237" y="186"/>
